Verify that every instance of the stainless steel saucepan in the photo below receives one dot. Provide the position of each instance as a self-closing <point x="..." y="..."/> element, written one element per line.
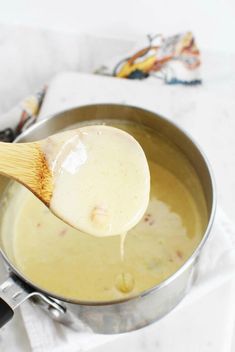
<point x="131" y="313"/>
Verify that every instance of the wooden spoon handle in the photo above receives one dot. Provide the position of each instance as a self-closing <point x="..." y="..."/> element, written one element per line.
<point x="26" y="163"/>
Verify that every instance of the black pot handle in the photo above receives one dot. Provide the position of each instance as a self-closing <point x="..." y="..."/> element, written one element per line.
<point x="6" y="312"/>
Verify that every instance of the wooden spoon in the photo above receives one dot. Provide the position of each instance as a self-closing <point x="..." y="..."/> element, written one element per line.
<point x="95" y="178"/>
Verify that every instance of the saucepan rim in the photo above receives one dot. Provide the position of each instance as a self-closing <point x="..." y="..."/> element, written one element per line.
<point x="168" y="280"/>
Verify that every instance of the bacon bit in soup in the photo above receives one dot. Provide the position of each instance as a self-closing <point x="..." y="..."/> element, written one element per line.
<point x="179" y="254"/>
<point x="39" y="224"/>
<point x="149" y="219"/>
<point x="63" y="232"/>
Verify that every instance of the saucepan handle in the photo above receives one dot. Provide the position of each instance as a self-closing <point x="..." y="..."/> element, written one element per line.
<point x="6" y="312"/>
<point x="15" y="291"/>
<point x="12" y="293"/>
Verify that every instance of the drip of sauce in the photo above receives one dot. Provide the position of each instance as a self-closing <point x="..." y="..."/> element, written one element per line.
<point x="122" y="242"/>
<point x="124" y="282"/>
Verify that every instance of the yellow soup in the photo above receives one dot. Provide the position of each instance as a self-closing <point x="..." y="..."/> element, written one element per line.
<point x="69" y="263"/>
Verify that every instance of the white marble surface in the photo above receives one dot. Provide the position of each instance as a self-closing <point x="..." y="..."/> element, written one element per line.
<point x="163" y="336"/>
<point x="211" y="21"/>
<point x="29" y="58"/>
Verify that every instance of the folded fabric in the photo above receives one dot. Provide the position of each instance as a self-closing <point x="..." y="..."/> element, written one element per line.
<point x="21" y="116"/>
<point x="174" y="59"/>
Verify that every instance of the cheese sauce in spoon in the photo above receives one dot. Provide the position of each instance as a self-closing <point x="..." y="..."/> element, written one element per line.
<point x="101" y="179"/>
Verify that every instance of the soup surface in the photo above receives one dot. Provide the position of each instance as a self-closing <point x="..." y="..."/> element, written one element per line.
<point x="78" y="266"/>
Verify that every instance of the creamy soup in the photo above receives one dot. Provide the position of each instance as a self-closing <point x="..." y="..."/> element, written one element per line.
<point x="69" y="263"/>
